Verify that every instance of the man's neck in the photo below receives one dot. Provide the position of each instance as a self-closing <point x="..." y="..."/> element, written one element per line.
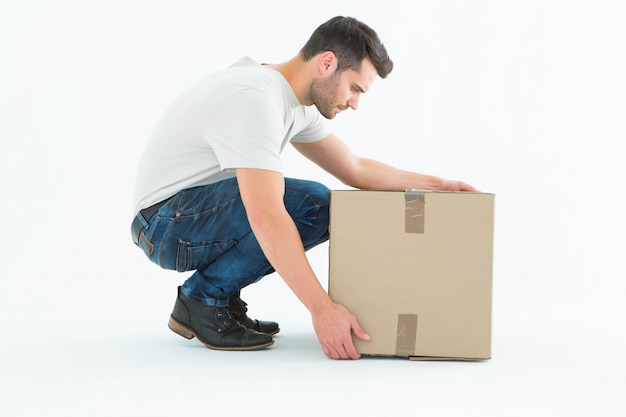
<point x="298" y="75"/>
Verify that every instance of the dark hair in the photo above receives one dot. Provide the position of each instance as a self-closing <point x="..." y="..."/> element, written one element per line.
<point x="351" y="41"/>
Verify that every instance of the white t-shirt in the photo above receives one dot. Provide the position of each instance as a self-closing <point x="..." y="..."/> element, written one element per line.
<point x="241" y="117"/>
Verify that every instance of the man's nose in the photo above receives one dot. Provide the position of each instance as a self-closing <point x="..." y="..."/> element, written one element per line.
<point x="353" y="102"/>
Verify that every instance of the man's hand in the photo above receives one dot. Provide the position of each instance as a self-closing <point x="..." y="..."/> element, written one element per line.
<point x="334" y="326"/>
<point x="448" y="185"/>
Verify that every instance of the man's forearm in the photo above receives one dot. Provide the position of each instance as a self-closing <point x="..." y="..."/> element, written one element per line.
<point x="373" y="174"/>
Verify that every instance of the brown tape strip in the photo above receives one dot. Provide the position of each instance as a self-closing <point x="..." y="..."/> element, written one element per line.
<point x="414" y="204"/>
<point x="406" y="335"/>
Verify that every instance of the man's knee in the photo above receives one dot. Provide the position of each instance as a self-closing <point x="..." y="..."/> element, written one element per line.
<point x="307" y="200"/>
<point x="318" y="192"/>
<point x="314" y="192"/>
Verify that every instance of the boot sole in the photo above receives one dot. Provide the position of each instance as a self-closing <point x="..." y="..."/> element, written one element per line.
<point x="188" y="333"/>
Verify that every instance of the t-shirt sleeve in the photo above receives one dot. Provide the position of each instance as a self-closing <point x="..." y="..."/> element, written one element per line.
<point x="316" y="128"/>
<point x="246" y="131"/>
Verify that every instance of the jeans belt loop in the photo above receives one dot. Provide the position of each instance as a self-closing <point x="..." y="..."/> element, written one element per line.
<point x="147" y="213"/>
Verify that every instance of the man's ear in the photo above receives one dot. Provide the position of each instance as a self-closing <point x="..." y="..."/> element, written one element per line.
<point x="327" y="63"/>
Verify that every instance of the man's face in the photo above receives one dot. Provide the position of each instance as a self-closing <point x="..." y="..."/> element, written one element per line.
<point x="342" y="90"/>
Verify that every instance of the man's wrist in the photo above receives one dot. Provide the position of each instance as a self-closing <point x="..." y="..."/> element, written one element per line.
<point x="323" y="303"/>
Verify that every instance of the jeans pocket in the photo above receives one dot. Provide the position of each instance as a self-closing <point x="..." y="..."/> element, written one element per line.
<point x="145" y="244"/>
<point x="193" y="255"/>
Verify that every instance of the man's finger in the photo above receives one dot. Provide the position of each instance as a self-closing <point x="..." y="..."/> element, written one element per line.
<point x="359" y="332"/>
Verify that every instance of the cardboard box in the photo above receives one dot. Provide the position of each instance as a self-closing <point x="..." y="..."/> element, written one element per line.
<point x="415" y="268"/>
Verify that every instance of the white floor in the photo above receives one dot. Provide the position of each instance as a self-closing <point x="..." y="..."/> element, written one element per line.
<point x="113" y="355"/>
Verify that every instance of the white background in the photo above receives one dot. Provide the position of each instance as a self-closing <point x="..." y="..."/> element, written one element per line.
<point x="524" y="99"/>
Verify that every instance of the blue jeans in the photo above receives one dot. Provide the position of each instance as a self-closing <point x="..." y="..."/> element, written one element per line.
<point x="206" y="229"/>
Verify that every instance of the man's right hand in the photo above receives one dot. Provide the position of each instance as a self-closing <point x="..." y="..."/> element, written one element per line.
<point x="334" y="326"/>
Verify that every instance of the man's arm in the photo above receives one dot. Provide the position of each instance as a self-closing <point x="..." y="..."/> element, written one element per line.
<point x="334" y="156"/>
<point x="262" y="192"/>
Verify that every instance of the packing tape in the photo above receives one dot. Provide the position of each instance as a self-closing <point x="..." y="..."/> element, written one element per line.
<point x="414" y="205"/>
<point x="406" y="335"/>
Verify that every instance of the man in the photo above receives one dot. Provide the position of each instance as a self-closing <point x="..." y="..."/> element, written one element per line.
<point x="211" y="196"/>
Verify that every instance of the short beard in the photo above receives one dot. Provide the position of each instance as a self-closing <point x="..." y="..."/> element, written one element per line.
<point x="323" y="94"/>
